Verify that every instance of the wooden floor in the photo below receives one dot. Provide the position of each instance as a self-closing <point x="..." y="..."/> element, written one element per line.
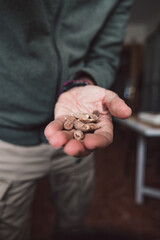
<point x="113" y="207"/>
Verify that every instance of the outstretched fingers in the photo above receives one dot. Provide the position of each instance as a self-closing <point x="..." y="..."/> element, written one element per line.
<point x="55" y="134"/>
<point x="53" y="127"/>
<point x="116" y="106"/>
<point x="76" y="148"/>
<point x="101" y="137"/>
<point x="60" y="138"/>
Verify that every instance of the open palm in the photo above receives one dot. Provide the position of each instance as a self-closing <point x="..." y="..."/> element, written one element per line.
<point x="86" y="99"/>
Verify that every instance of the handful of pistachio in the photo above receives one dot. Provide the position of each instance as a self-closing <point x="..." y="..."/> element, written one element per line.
<point x="82" y="123"/>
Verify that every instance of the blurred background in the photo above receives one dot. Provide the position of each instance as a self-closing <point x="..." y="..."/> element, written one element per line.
<point x="138" y="79"/>
<point x="114" y="207"/>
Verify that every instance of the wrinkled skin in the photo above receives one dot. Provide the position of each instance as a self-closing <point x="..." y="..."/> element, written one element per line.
<point x="86" y="99"/>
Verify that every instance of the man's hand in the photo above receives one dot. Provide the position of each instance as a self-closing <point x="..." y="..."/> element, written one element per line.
<point x="86" y="99"/>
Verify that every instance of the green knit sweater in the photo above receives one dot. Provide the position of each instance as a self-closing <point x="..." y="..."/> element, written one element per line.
<point x="44" y="43"/>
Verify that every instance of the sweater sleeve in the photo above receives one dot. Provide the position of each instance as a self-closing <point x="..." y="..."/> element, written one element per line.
<point x="103" y="56"/>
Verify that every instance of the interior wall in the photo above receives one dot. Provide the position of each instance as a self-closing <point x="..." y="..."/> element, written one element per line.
<point x="145" y="18"/>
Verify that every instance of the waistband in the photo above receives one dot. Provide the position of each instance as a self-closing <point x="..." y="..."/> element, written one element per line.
<point x="23" y="137"/>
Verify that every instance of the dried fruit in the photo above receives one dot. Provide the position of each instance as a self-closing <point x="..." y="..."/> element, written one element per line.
<point x="82" y="122"/>
<point x="78" y="134"/>
<point x="93" y="126"/>
<point x="82" y="116"/>
<point x="93" y="117"/>
<point x="68" y="125"/>
<point x="69" y="121"/>
<point x="96" y="112"/>
<point x="81" y="126"/>
<point x="69" y="117"/>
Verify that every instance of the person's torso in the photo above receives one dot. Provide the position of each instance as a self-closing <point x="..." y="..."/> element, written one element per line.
<point x="42" y="44"/>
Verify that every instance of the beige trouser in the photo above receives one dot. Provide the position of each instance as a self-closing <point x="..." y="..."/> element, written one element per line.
<point x="20" y="167"/>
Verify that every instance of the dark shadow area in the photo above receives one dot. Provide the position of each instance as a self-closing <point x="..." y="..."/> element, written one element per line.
<point x="102" y="234"/>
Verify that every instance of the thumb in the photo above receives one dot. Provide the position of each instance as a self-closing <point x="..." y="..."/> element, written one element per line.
<point x="116" y="106"/>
